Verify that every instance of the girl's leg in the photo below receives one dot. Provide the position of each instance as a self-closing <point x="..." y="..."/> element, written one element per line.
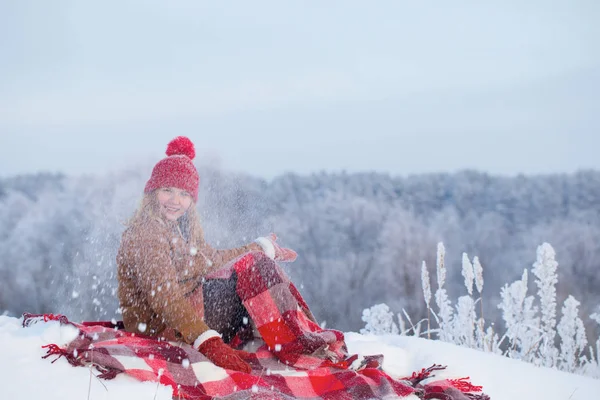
<point x="223" y="309"/>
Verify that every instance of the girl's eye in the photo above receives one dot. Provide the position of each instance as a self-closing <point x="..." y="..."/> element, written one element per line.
<point x="186" y="194"/>
<point x="167" y="189"/>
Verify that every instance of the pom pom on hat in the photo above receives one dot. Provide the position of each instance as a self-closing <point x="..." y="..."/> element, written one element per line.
<point x="177" y="169"/>
<point x="181" y="145"/>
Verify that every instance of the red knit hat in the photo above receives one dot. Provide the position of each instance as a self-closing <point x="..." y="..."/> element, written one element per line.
<point x="177" y="169"/>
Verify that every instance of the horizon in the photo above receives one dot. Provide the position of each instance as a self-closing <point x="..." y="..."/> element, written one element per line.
<point x="314" y="173"/>
<point x="321" y="172"/>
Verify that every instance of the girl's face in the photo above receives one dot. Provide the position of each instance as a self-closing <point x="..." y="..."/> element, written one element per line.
<point x="173" y="202"/>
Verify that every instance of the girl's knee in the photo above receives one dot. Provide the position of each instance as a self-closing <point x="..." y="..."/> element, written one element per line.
<point x="256" y="260"/>
<point x="259" y="271"/>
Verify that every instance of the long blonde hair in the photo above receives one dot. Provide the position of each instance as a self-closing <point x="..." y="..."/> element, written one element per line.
<point x="189" y="223"/>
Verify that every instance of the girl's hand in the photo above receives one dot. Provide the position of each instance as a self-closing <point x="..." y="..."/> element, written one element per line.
<point x="274" y="251"/>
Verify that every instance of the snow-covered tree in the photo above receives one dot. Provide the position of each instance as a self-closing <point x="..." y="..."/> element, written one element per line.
<point x="468" y="273"/>
<point x="465" y="322"/>
<point x="544" y="269"/>
<point x="573" y="340"/>
<point x="379" y="320"/>
<point x="426" y="285"/>
<point x="521" y="323"/>
<point x="445" y="313"/>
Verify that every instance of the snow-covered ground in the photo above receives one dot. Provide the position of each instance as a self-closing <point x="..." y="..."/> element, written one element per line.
<point x="25" y="375"/>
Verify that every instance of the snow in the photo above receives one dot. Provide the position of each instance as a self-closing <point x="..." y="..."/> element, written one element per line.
<point x="501" y="377"/>
<point x="25" y="375"/>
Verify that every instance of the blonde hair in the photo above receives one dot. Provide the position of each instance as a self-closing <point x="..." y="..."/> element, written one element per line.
<point x="189" y="223"/>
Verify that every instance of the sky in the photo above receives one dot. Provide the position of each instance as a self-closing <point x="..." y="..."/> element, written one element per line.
<point x="268" y="87"/>
<point x="25" y="375"/>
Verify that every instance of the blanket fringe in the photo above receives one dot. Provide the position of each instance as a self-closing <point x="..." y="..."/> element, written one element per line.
<point x="76" y="361"/>
<point x="30" y="319"/>
<point x="464" y="385"/>
<point x="418" y="377"/>
<point x="55" y="350"/>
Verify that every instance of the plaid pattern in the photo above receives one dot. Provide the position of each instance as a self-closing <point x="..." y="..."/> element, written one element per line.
<point x="277" y="309"/>
<point x="295" y="359"/>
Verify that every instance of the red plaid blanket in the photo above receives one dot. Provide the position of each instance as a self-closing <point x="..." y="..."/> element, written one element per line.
<point x="295" y="359"/>
<point x="277" y="309"/>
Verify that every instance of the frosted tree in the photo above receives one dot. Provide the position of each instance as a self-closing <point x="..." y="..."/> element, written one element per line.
<point x="426" y="284"/>
<point x="441" y="298"/>
<point x="478" y="273"/>
<point x="468" y="273"/>
<point x="379" y="320"/>
<point x="544" y="269"/>
<point x="464" y="324"/>
<point x="464" y="327"/>
<point x="572" y="334"/>
<point x="522" y="326"/>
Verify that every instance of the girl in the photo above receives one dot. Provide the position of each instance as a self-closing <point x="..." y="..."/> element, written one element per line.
<point x="165" y="266"/>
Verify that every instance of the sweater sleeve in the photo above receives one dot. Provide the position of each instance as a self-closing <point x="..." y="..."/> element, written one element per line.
<point x="216" y="258"/>
<point x="156" y="278"/>
<point x="220" y="257"/>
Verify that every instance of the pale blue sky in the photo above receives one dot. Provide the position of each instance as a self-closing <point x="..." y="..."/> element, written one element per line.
<point x="267" y="87"/>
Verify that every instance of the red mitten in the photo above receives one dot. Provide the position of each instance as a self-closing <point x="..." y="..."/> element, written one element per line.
<point x="212" y="346"/>
<point x="274" y="251"/>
